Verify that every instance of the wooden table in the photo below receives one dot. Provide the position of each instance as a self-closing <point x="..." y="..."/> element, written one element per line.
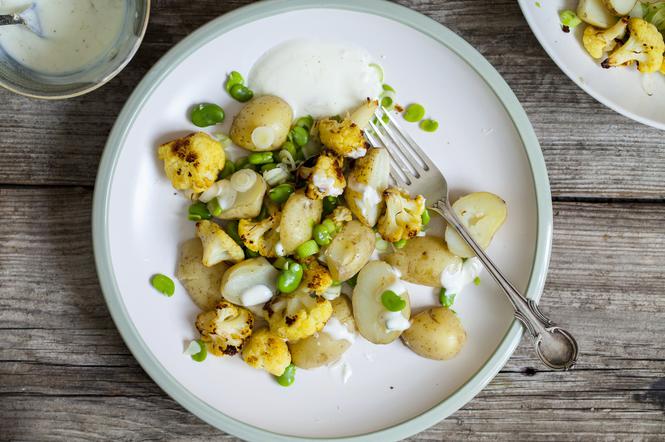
<point x="66" y="374"/>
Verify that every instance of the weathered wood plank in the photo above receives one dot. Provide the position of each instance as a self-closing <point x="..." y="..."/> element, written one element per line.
<point x="589" y="150"/>
<point x="65" y="373"/>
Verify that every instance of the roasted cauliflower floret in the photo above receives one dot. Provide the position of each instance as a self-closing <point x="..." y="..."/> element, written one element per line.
<point x="402" y="218"/>
<point x="340" y="216"/>
<point x="225" y="329"/>
<point x="326" y="177"/>
<point x="192" y="162"/>
<point x="368" y="178"/>
<point x="598" y="41"/>
<point x="644" y="46"/>
<point x="218" y="246"/>
<point x="267" y="351"/>
<point x="316" y="278"/>
<point x="346" y="137"/>
<point x="261" y="236"/>
<point x="297" y="315"/>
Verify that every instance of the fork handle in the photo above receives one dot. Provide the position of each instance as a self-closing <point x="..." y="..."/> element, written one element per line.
<point x="555" y="346"/>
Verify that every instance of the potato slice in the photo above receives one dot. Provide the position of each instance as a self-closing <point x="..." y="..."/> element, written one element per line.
<point x="620" y="7"/>
<point x="201" y="282"/>
<point x="350" y="250"/>
<point x="322" y="348"/>
<point x="595" y="13"/>
<point x="247" y="203"/>
<point x="299" y="216"/>
<point x="422" y="260"/>
<point x="245" y="275"/>
<point x="368" y="310"/>
<point x="482" y="213"/>
<point x="436" y="333"/>
<point x="271" y="115"/>
<point x="368" y="178"/>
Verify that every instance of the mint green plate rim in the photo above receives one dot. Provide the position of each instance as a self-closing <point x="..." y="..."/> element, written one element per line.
<point x="238" y="18"/>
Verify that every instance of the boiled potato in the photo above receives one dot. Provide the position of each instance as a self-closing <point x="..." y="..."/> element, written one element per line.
<point x="201" y="282"/>
<point x="350" y="250"/>
<point x="482" y="213"/>
<point x="595" y="13"/>
<point x="422" y="260"/>
<point x="368" y="310"/>
<point x="436" y="333"/>
<point x="322" y="348"/>
<point x="368" y="178"/>
<point x="247" y="203"/>
<point x="619" y="7"/>
<point x="271" y="115"/>
<point x="299" y="216"/>
<point x="245" y="275"/>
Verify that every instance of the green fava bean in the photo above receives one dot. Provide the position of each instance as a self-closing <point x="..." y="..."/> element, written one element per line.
<point x="206" y="114"/>
<point x="259" y="158"/>
<point x="288" y="377"/>
<point x="290" y="278"/>
<point x="299" y="136"/>
<point x="281" y="193"/>
<point x="229" y="169"/>
<point x="241" y="93"/>
<point x="322" y="235"/>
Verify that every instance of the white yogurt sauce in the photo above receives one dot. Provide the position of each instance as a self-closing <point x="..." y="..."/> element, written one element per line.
<point x="316" y="77"/>
<point x="370" y="196"/>
<point x="395" y="321"/>
<point x="338" y="331"/>
<point x="343" y="369"/>
<point x="76" y="33"/>
<point x="457" y="276"/>
<point x="256" y="294"/>
<point x="326" y="185"/>
<point x="279" y="249"/>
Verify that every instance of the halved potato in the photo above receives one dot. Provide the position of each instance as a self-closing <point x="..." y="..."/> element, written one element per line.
<point x="247" y="203"/>
<point x="245" y="275"/>
<point x="436" y="333"/>
<point x="368" y="310"/>
<point x="299" y="216"/>
<point x="422" y="260"/>
<point x="482" y="213"/>
<point x="595" y="13"/>
<point x="322" y="348"/>
<point x="350" y="250"/>
<point x="271" y="115"/>
<point x="368" y="178"/>
<point x="619" y="7"/>
<point x="201" y="282"/>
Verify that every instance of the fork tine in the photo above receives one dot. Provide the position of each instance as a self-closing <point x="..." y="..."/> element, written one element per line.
<point x="387" y="137"/>
<point x="410" y="142"/>
<point x="400" y="164"/>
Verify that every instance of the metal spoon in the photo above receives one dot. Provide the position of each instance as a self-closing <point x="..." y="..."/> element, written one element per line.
<point x="28" y="18"/>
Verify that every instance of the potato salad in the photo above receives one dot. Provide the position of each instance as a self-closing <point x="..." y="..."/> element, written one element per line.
<point x="302" y="243"/>
<point x="621" y="32"/>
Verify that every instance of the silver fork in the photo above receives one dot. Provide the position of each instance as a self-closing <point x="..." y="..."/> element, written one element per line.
<point x="415" y="172"/>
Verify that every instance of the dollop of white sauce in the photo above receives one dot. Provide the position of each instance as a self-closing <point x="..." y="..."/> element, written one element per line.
<point x="358" y="152"/>
<point x="326" y="184"/>
<point x="316" y="77"/>
<point x="279" y="249"/>
<point x="457" y="276"/>
<point x="74" y="33"/>
<point x="369" y="196"/>
<point x="395" y="321"/>
<point x="342" y="367"/>
<point x="338" y="331"/>
<point x="256" y="294"/>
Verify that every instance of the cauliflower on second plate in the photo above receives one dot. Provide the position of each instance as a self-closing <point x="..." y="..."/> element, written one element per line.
<point x="402" y="218"/>
<point x="297" y="315"/>
<point x="218" y="246"/>
<point x="225" y="329"/>
<point x="644" y="46"/>
<point x="598" y="41"/>
<point x="267" y="351"/>
<point x="192" y="162"/>
<point x="316" y="278"/>
<point x="261" y="236"/>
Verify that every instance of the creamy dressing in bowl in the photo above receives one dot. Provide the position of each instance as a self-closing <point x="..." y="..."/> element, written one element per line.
<point x="316" y="77"/>
<point x="75" y="33"/>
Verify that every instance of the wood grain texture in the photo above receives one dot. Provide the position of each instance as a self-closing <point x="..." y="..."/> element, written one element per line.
<point x="65" y="373"/>
<point x="590" y="151"/>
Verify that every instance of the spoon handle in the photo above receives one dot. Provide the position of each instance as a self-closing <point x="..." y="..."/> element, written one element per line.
<point x="555" y="346"/>
<point x="10" y="19"/>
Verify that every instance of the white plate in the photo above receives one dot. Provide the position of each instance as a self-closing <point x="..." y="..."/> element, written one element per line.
<point x="484" y="143"/>
<point x="620" y="89"/>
